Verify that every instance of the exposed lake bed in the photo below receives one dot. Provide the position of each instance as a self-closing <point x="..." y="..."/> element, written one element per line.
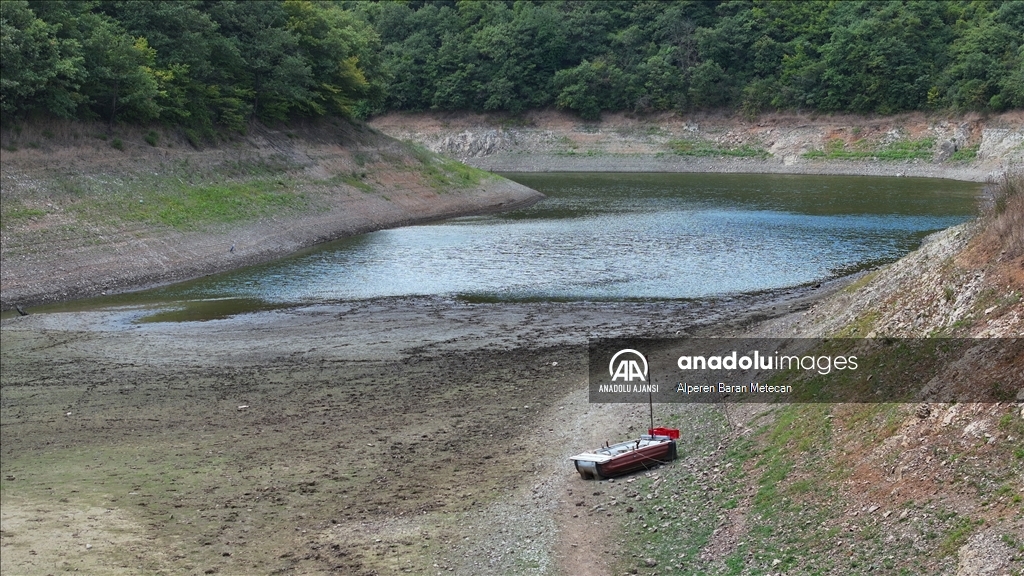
<point x="375" y="431"/>
<point x="395" y="433"/>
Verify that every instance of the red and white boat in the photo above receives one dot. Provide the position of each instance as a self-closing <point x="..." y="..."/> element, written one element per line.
<point x="656" y="447"/>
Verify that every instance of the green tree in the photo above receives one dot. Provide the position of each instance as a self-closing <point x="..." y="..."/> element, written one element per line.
<point x="261" y="58"/>
<point x="200" y="92"/>
<point x="335" y="45"/>
<point x="589" y="88"/>
<point x="519" y="54"/>
<point x="984" y="57"/>
<point x="883" y="56"/>
<point x="121" y="78"/>
<point x="410" y="41"/>
<point x="38" y="70"/>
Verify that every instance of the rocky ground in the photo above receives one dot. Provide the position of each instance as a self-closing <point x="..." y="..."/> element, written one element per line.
<point x="432" y="436"/>
<point x="962" y="148"/>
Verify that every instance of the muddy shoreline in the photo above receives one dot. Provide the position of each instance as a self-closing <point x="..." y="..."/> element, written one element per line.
<point x="126" y="264"/>
<point x="387" y="436"/>
<point x="64" y="239"/>
<point x="56" y="255"/>
<point x="381" y="436"/>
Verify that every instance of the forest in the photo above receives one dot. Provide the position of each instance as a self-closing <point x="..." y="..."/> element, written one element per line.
<point x="207" y="65"/>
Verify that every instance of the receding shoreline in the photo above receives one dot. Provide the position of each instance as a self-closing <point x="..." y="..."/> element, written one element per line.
<point x="44" y="263"/>
<point x="424" y="434"/>
<point x="366" y="183"/>
<point x="677" y="164"/>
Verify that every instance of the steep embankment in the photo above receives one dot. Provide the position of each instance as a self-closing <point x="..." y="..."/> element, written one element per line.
<point x="891" y="488"/>
<point x="88" y="211"/>
<point x="823" y="488"/>
<point x="961" y="148"/>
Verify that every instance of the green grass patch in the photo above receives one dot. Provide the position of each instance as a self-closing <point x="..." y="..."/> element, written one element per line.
<point x="957" y="536"/>
<point x="681" y="509"/>
<point x="968" y="154"/>
<point x="793" y="493"/>
<point x="186" y="207"/>
<point x="14" y="212"/>
<point x="355" y="180"/>
<point x="444" y="174"/>
<point x="860" y="327"/>
<point x="419" y="152"/>
<point x="675" y="510"/>
<point x="703" y="148"/>
<point x="837" y="149"/>
<point x="788" y="481"/>
<point x="861" y="282"/>
<point x="1012" y="424"/>
<point x="888" y="370"/>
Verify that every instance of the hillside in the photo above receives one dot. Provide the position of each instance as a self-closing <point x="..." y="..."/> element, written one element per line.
<point x="416" y="435"/>
<point x="891" y="488"/>
<point x="89" y="211"/>
<point x="960" y="147"/>
<point x="925" y="488"/>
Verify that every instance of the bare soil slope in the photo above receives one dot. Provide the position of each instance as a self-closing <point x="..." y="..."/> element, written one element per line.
<point x="77" y="216"/>
<point x="962" y="148"/>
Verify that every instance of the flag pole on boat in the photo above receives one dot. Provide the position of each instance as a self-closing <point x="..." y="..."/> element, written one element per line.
<point x="650" y="398"/>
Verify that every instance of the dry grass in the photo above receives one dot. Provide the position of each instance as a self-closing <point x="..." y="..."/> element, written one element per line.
<point x="1000" y="236"/>
<point x="1005" y="221"/>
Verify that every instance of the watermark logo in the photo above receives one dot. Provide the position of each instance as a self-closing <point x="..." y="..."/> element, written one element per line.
<point x="628" y="368"/>
<point x="833" y="370"/>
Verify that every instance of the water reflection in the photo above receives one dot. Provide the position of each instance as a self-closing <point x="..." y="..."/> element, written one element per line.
<point x="611" y="237"/>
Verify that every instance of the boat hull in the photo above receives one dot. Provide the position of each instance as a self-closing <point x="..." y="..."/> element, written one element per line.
<point x="623" y="458"/>
<point x="641" y="459"/>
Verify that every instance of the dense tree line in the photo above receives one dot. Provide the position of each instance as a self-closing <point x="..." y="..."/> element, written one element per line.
<point x="194" y="63"/>
<point x="645" y="55"/>
<point x="205" y="63"/>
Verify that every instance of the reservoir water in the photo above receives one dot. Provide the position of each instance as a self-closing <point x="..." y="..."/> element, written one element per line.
<point x="619" y="237"/>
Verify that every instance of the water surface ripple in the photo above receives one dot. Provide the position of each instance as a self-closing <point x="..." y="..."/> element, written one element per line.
<point x="623" y="237"/>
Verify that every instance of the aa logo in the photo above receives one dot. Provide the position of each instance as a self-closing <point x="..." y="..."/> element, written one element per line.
<point x="628" y="367"/>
